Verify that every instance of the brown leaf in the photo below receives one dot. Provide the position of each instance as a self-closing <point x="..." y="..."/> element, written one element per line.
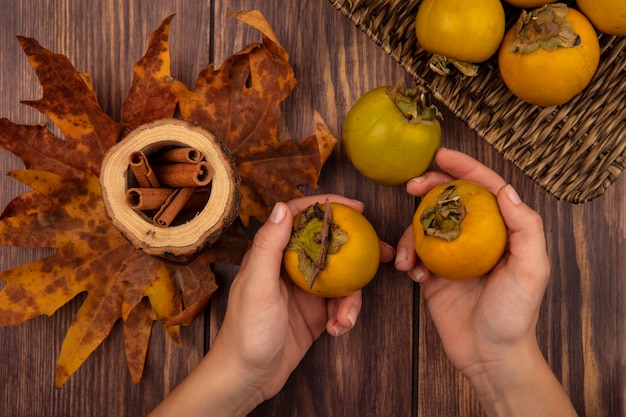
<point x="147" y="276"/>
<point x="72" y="105"/>
<point x="90" y="250"/>
<point x="239" y="103"/>
<point x="96" y="317"/>
<point x="65" y="209"/>
<point x="196" y="288"/>
<point x="137" y="332"/>
<point x="274" y="175"/>
<point x="39" y="149"/>
<point x="27" y="203"/>
<point x="151" y="96"/>
<point x="77" y="222"/>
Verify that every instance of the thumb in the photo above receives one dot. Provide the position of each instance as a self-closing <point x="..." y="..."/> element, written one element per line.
<point x="270" y="241"/>
<point x="527" y="244"/>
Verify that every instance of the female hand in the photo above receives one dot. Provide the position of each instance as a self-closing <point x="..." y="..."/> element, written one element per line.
<point x="487" y="325"/>
<point x="269" y="326"/>
<point x="270" y="322"/>
<point x="479" y="317"/>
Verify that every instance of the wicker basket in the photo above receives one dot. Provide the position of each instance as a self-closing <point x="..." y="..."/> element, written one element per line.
<point x="574" y="151"/>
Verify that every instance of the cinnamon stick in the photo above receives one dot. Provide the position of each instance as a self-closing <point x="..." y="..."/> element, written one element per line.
<point x="178" y="155"/>
<point x="147" y="198"/>
<point x="172" y="206"/>
<point x="198" y="199"/>
<point x="144" y="174"/>
<point x="184" y="175"/>
<point x="154" y="198"/>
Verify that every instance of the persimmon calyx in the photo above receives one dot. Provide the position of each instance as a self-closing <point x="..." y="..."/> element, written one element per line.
<point x="444" y="219"/>
<point x="546" y="27"/>
<point x="314" y="238"/>
<point x="412" y="103"/>
<point x="439" y="64"/>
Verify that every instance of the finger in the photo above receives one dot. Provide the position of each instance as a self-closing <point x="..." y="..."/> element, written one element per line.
<point x="464" y="167"/>
<point x="386" y="252"/>
<point x="343" y="313"/>
<point x="299" y="204"/>
<point x="526" y="239"/>
<point x="421" y="185"/>
<point x="269" y="242"/>
<point x="406" y="258"/>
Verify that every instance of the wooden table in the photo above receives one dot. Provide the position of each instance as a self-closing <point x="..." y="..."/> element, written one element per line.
<point x="392" y="363"/>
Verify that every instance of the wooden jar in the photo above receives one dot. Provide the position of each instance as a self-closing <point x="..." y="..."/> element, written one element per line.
<point x="204" y="225"/>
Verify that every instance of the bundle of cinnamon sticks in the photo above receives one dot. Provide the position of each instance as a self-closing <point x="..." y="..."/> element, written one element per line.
<point x="169" y="182"/>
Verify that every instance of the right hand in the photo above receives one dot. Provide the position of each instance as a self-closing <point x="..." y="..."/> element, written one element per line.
<point x="487" y="325"/>
<point x="485" y="321"/>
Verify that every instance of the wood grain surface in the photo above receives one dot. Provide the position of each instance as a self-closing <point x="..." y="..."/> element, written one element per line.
<point x="391" y="363"/>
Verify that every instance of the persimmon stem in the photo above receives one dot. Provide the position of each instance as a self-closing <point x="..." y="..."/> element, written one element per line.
<point x="324" y="240"/>
<point x="314" y="238"/>
<point x="412" y="103"/>
<point x="439" y="64"/>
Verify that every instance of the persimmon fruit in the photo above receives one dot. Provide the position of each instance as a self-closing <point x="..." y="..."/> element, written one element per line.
<point x="545" y="69"/>
<point x="459" y="32"/>
<point x="459" y="233"/>
<point x="608" y="16"/>
<point x="528" y="4"/>
<point x="332" y="254"/>
<point x="390" y="135"/>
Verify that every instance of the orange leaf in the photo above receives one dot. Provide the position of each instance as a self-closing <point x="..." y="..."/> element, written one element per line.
<point x="41" y="150"/>
<point x="73" y="106"/>
<point x="137" y="332"/>
<point x="239" y="103"/>
<point x="65" y="210"/>
<point x="151" y="96"/>
<point x="94" y="320"/>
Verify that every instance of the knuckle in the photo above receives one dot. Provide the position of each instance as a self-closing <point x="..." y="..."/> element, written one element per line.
<point x="262" y="240"/>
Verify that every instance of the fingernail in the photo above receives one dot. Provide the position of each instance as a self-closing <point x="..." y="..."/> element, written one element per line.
<point x="278" y="213"/>
<point x="388" y="246"/>
<point x="353" y="313"/>
<point x="418" y="273"/>
<point x="402" y="255"/>
<point x="512" y="194"/>
<point x="339" y="330"/>
<point x="419" y="179"/>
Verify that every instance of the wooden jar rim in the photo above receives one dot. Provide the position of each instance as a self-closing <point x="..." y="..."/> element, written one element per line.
<point x="205" y="228"/>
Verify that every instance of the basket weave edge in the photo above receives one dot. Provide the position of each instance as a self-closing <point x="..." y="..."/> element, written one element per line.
<point x="554" y="189"/>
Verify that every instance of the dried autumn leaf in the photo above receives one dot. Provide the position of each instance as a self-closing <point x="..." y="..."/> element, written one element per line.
<point x="254" y="82"/>
<point x="65" y="209"/>
<point x="72" y="105"/>
<point x="89" y="252"/>
<point x="150" y="96"/>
